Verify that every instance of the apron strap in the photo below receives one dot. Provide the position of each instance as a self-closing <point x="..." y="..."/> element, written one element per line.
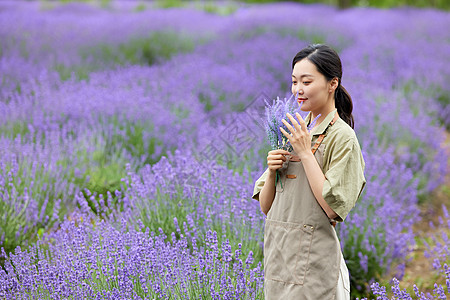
<point x="322" y="136"/>
<point x="319" y="139"/>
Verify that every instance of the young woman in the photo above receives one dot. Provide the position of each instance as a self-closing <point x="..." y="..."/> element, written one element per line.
<point x="319" y="184"/>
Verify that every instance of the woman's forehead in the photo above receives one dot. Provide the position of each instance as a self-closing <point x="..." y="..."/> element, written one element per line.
<point x="304" y="68"/>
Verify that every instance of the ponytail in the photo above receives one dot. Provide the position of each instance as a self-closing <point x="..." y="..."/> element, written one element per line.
<point x="344" y="105"/>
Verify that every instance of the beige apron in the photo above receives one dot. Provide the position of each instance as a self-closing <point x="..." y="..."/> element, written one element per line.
<point x="302" y="254"/>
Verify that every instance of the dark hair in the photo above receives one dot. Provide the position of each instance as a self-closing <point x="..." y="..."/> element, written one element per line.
<point x="329" y="64"/>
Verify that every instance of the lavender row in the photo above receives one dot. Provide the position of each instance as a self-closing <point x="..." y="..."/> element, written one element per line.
<point x="89" y="258"/>
<point x="437" y="254"/>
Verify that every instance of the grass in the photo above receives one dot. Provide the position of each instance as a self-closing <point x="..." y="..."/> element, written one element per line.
<point x="39" y="190"/>
<point x="154" y="48"/>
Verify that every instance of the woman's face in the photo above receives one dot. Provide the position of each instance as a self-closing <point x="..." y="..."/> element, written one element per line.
<point x="314" y="91"/>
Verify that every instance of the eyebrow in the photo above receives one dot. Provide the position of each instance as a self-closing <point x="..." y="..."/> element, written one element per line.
<point x="304" y="75"/>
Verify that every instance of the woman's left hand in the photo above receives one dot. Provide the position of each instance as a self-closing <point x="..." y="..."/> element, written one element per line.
<point x="299" y="138"/>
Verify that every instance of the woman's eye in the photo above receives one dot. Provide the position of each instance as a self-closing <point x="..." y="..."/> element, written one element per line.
<point x="294" y="82"/>
<point x="306" y="82"/>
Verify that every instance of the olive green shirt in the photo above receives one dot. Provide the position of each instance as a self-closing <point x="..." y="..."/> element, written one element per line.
<point x="343" y="166"/>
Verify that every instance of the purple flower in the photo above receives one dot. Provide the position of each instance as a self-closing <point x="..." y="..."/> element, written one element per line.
<point x="274" y="114"/>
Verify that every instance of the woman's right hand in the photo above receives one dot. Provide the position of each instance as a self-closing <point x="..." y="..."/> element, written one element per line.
<point x="275" y="159"/>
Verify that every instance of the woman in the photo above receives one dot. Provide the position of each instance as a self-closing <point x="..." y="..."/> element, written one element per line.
<point x="319" y="184"/>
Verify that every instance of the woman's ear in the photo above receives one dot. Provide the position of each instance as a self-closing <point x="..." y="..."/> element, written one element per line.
<point x="334" y="84"/>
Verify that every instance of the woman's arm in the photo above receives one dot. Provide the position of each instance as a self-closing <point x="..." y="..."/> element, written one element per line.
<point x="267" y="193"/>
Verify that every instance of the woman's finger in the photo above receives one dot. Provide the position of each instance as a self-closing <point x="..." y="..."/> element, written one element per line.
<point x="291" y="129"/>
<point x="285" y="133"/>
<point x="294" y="122"/>
<point x="277" y="156"/>
<point x="278" y="151"/>
<point x="302" y="122"/>
<point x="275" y="162"/>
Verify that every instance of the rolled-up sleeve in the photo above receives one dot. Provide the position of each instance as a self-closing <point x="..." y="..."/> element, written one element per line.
<point x="259" y="185"/>
<point x="345" y="179"/>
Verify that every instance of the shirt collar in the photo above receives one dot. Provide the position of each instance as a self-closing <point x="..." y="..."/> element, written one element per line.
<point x="323" y="125"/>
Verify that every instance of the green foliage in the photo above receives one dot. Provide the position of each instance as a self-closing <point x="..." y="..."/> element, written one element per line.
<point x="443" y="98"/>
<point x="153" y="49"/>
<point x="313" y="35"/>
<point x="79" y="72"/>
<point x="305" y="34"/>
<point x="103" y="3"/>
<point x="440" y="4"/>
<point x="68" y="1"/>
<point x="218" y="9"/>
<point x="209" y="6"/>
<point x="102" y="171"/>
<point x="28" y="184"/>
<point x="150" y="50"/>
<point x="105" y="166"/>
<point x="140" y="7"/>
<point x="105" y="177"/>
<point x="206" y="101"/>
<point x="139" y="139"/>
<point x="160" y="210"/>
<point x="360" y="278"/>
<point x="169" y="3"/>
<point x="180" y="111"/>
<point x="14" y="129"/>
<point x="105" y="252"/>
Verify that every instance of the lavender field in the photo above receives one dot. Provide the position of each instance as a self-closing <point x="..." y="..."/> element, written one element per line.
<point x="130" y="140"/>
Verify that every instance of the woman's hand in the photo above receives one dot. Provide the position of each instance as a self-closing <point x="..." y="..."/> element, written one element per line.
<point x="275" y="159"/>
<point x="299" y="138"/>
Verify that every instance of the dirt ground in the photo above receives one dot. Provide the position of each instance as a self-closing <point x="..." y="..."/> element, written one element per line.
<point x="419" y="269"/>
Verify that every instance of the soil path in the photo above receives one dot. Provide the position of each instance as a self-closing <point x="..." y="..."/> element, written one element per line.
<point x="419" y="269"/>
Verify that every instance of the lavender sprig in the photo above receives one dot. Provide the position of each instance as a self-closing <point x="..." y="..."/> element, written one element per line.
<point x="275" y="113"/>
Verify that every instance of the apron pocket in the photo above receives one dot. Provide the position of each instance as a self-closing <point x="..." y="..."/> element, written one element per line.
<point x="286" y="251"/>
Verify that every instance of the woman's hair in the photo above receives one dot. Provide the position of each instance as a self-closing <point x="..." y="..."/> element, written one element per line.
<point x="329" y="64"/>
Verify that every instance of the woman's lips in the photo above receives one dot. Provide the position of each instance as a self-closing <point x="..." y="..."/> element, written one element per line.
<point x="302" y="99"/>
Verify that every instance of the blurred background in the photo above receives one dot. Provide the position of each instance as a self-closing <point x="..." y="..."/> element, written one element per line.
<point x="132" y="132"/>
<point x="440" y="4"/>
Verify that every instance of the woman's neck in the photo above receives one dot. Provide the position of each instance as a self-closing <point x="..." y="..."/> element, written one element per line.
<point x="323" y="114"/>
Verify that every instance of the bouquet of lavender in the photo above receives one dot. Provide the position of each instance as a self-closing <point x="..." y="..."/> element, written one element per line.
<point x="272" y="123"/>
<point x="274" y="114"/>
